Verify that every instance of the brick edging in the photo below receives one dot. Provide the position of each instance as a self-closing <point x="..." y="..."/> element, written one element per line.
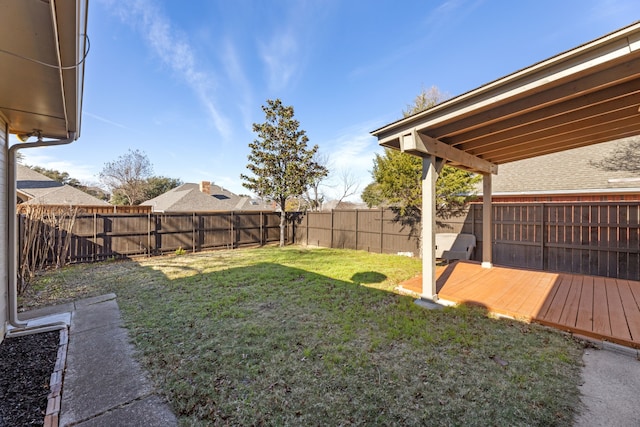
<point x="52" y="415"/>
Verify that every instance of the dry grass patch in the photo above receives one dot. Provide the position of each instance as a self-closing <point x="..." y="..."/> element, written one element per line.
<point x="307" y="337"/>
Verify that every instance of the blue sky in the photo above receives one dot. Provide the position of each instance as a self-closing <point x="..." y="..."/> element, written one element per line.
<point x="183" y="81"/>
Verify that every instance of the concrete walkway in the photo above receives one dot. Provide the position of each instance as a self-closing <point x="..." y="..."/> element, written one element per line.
<point x="103" y="385"/>
<point x="611" y="388"/>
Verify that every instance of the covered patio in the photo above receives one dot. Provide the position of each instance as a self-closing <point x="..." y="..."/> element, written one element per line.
<point x="584" y="96"/>
<point x="596" y="307"/>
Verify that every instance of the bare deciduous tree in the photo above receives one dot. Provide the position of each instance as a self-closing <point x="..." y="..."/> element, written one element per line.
<point x="314" y="197"/>
<point x="126" y="177"/>
<point x="348" y="185"/>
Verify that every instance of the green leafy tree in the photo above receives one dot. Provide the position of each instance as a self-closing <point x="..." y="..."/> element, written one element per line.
<point x="126" y="177"/>
<point x="157" y="185"/>
<point x="398" y="177"/>
<point x="56" y="175"/>
<point x="372" y="195"/>
<point x="281" y="165"/>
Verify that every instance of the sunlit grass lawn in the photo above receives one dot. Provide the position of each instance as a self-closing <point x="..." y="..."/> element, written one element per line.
<point x="300" y="336"/>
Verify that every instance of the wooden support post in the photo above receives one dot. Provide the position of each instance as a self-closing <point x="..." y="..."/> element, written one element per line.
<point x="487" y="247"/>
<point x="429" y="177"/>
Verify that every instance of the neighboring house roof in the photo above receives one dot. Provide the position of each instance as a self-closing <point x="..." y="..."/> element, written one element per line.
<point x="204" y="197"/>
<point x="37" y="189"/>
<point x="576" y="171"/>
<point x="334" y="204"/>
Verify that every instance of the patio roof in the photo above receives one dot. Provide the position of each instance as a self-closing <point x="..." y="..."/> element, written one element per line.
<point x="584" y="96"/>
<point x="42" y="49"/>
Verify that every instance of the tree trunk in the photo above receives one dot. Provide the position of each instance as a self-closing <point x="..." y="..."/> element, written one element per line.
<point x="283" y="222"/>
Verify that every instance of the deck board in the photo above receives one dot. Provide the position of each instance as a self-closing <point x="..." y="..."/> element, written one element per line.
<point x="631" y="309"/>
<point x="601" y="322"/>
<point x="559" y="300"/>
<point x="570" y="309"/>
<point x="591" y="306"/>
<point x="617" y="319"/>
<point x="585" y="309"/>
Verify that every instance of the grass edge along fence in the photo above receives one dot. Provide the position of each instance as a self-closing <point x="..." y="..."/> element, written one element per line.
<point x="592" y="238"/>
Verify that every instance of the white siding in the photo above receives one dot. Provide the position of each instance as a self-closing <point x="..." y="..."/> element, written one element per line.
<point x="4" y="245"/>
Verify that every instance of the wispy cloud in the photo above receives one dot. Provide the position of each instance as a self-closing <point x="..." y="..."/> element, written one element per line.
<point x="237" y="76"/>
<point x="174" y="50"/>
<point x="280" y="55"/>
<point x="353" y="150"/>
<point x="83" y="172"/>
<point x="285" y="51"/>
<point x="104" y="120"/>
<point x="444" y="16"/>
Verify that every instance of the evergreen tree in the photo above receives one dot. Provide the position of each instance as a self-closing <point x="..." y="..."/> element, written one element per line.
<point x="281" y="165"/>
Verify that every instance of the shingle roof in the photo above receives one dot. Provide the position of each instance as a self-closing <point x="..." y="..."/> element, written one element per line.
<point x="188" y="198"/>
<point x="42" y="190"/>
<point x="567" y="172"/>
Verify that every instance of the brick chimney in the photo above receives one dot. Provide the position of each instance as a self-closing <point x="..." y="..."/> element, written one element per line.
<point x="205" y="187"/>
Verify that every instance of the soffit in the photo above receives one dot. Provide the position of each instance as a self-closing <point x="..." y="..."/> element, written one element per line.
<point x="585" y="96"/>
<point x="35" y="96"/>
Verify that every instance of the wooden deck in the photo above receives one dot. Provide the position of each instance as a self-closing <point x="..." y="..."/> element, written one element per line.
<point x="596" y="307"/>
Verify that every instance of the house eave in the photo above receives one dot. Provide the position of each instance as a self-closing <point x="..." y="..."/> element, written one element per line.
<point x="42" y="51"/>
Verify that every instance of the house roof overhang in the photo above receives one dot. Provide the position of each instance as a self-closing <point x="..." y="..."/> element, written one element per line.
<point x="43" y="44"/>
<point x="584" y="96"/>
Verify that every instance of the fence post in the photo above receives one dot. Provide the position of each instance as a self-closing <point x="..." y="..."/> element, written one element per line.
<point x="306" y="217"/>
<point x="95" y="237"/>
<point x="356" y="230"/>
<point x="331" y="241"/>
<point x="149" y="235"/>
<point x="156" y="225"/>
<point x="193" y="232"/>
<point x="261" y="228"/>
<point x="232" y="236"/>
<point x="381" y="228"/>
<point x="542" y="235"/>
<point x="473" y="219"/>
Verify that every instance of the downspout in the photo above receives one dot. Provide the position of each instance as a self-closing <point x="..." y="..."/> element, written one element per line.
<point x="22" y="328"/>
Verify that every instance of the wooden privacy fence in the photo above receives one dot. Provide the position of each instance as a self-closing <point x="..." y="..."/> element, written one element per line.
<point x="100" y="236"/>
<point x="374" y="230"/>
<point x="593" y="238"/>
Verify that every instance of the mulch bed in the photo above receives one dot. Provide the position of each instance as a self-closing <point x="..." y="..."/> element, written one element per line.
<point x="27" y="364"/>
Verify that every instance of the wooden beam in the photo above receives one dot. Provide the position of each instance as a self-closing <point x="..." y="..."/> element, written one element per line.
<point x="422" y="145"/>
